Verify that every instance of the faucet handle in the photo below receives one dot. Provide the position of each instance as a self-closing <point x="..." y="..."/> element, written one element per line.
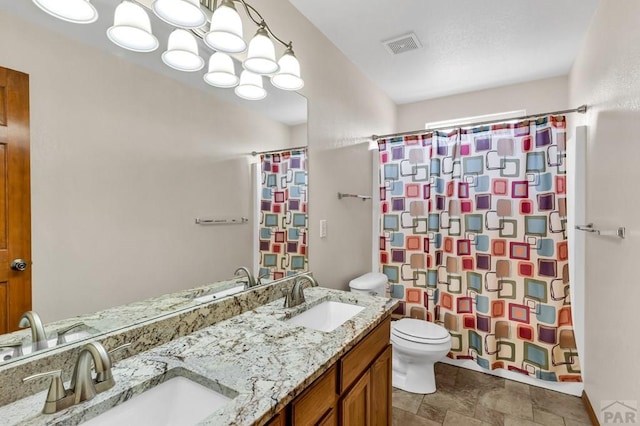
<point x="56" y="390"/>
<point x="63" y="331"/>
<point x="260" y="277"/>
<point x="123" y="347"/>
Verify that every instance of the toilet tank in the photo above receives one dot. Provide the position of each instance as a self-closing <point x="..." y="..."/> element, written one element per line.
<point x="370" y="282"/>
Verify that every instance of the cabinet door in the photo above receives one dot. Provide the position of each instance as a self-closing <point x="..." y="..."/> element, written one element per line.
<point x="381" y="389"/>
<point x="277" y="420"/>
<point x="330" y="419"/>
<point x="355" y="406"/>
<point x="311" y="408"/>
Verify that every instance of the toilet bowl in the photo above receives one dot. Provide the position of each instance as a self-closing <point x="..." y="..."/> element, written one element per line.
<point x="417" y="346"/>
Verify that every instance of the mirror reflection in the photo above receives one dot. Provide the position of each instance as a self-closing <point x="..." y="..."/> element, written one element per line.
<point x="124" y="154"/>
<point x="283" y="213"/>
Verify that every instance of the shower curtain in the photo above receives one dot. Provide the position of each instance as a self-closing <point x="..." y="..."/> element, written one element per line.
<point x="473" y="237"/>
<point x="283" y="214"/>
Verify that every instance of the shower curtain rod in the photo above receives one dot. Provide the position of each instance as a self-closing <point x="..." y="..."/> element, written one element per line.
<point x="295" y="148"/>
<point x="581" y="109"/>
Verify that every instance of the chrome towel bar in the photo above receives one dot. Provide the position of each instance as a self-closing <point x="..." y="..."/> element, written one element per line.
<point x="620" y="232"/>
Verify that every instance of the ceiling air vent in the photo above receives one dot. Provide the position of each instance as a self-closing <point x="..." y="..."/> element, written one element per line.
<point x="402" y="44"/>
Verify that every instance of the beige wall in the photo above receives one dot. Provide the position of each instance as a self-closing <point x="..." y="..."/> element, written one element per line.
<point x="123" y="160"/>
<point x="605" y="76"/>
<point x="298" y="135"/>
<point x="535" y="96"/>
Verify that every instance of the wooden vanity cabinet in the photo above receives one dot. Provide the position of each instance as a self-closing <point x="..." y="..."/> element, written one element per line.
<point x="356" y="391"/>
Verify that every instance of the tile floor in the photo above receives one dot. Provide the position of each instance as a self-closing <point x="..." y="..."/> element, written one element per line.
<point x="470" y="398"/>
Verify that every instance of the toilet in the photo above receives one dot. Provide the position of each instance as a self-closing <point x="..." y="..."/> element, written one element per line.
<point x="417" y="344"/>
<point x="372" y="283"/>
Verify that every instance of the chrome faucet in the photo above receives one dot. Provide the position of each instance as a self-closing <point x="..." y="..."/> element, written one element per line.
<point x="83" y="387"/>
<point x="251" y="282"/>
<point x="295" y="297"/>
<point x="82" y="384"/>
<point x="38" y="336"/>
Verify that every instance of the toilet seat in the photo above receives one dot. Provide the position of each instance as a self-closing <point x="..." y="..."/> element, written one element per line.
<point x="418" y="331"/>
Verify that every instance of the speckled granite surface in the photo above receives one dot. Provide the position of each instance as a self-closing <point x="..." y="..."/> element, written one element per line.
<point x="116" y="318"/>
<point x="257" y="355"/>
<point x="143" y="335"/>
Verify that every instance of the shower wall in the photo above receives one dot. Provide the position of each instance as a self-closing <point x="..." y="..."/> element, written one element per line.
<point x="605" y="77"/>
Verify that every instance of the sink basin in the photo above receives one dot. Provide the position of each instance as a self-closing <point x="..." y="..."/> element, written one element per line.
<point x="219" y="294"/>
<point x="327" y="316"/>
<point x="177" y="401"/>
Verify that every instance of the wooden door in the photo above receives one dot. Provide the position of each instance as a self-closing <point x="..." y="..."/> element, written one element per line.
<point x="381" y="389"/>
<point x="15" y="198"/>
<point x="355" y="406"/>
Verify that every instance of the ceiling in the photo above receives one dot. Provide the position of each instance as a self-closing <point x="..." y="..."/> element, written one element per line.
<point x="467" y="45"/>
<point x="287" y="107"/>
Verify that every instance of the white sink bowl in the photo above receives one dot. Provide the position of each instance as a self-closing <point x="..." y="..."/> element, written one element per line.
<point x="327" y="316"/>
<point x="219" y="294"/>
<point x="178" y="401"/>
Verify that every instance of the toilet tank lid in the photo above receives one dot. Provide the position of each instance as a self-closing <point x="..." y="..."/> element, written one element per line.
<point x="420" y="329"/>
<point x="369" y="281"/>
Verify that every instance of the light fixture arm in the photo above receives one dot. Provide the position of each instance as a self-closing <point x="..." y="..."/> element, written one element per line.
<point x="250" y="10"/>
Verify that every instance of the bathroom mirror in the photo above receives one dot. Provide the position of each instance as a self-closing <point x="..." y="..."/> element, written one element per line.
<point x="126" y="154"/>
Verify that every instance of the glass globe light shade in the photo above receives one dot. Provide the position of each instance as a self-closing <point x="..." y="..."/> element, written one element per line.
<point x="180" y="13"/>
<point x="250" y="86"/>
<point x="182" y="52"/>
<point x="131" y="28"/>
<point x="288" y="77"/>
<point x="261" y="56"/>
<point x="76" y="11"/>
<point x="221" y="71"/>
<point x="225" y="32"/>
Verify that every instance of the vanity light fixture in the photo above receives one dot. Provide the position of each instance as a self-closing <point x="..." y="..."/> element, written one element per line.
<point x="221" y="71"/>
<point x="131" y="28"/>
<point x="76" y="11"/>
<point x="182" y="52"/>
<point x="250" y="87"/>
<point x="180" y="13"/>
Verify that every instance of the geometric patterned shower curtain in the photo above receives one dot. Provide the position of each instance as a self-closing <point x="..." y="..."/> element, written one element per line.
<point x="283" y="214"/>
<point x="473" y="237"/>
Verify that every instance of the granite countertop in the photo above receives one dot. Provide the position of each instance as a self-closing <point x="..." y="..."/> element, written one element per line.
<point x="116" y="318"/>
<point x="255" y="358"/>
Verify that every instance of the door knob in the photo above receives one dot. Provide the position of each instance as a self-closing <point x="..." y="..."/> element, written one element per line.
<point x="19" y="265"/>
